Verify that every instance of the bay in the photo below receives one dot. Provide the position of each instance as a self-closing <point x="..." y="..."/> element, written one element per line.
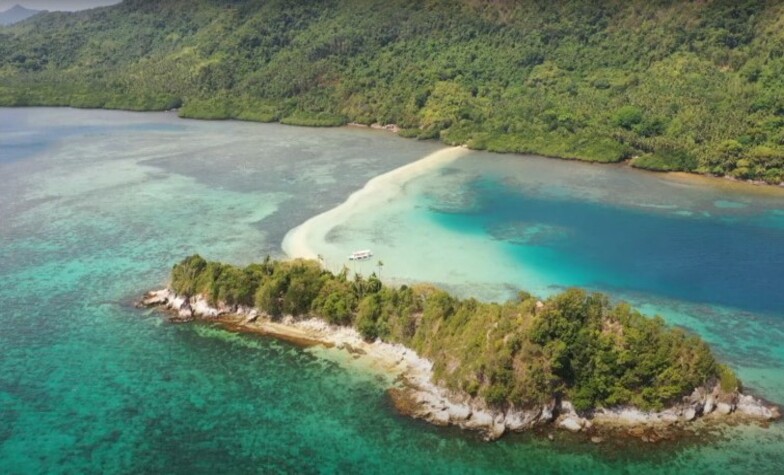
<point x="97" y="206"/>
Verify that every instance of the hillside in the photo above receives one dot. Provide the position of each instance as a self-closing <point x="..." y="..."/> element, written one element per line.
<point x="16" y="14"/>
<point x="674" y="85"/>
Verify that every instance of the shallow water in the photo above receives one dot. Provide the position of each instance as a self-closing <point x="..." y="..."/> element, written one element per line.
<point x="96" y="206"/>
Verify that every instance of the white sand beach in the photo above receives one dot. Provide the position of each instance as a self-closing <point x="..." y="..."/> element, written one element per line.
<point x="298" y="243"/>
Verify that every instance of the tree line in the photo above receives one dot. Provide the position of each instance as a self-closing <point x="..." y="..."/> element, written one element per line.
<point x="668" y="85"/>
<point x="523" y="352"/>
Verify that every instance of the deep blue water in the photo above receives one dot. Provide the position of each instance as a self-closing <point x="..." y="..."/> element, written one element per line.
<point x="736" y="262"/>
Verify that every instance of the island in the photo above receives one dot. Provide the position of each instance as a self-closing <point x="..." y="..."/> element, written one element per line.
<point x="576" y="361"/>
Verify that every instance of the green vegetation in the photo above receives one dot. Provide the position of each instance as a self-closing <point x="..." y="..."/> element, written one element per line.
<point x="576" y="345"/>
<point x="696" y="86"/>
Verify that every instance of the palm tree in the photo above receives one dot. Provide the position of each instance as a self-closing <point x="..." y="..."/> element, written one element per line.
<point x="380" y="264"/>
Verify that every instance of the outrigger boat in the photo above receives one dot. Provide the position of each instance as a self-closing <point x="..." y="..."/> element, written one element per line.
<point x="360" y="255"/>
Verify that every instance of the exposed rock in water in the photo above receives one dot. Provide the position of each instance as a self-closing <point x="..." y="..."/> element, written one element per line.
<point x="569" y="418"/>
<point x="752" y="407"/>
<point x="572" y="424"/>
<point x="421" y="398"/>
<point x="155" y="298"/>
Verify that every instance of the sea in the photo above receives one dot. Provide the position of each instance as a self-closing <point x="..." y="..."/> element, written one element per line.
<point x="96" y="207"/>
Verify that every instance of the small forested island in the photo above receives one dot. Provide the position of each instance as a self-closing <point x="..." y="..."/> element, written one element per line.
<point x="667" y="85"/>
<point x="575" y="360"/>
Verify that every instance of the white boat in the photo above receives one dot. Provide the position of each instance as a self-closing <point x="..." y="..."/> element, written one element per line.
<point x="360" y="255"/>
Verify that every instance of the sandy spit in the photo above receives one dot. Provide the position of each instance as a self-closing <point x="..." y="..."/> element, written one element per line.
<point x="381" y="189"/>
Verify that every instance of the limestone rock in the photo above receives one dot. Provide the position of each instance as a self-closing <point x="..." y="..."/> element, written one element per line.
<point x="440" y="418"/>
<point x="547" y="414"/>
<point x="751" y="407"/>
<point x="669" y="416"/>
<point x="571" y="423"/>
<point x="156" y="298"/>
<point x="458" y="412"/>
<point x="710" y="405"/>
<point x="520" y="420"/>
<point x="203" y="309"/>
<point x="185" y="313"/>
<point x="498" y="428"/>
<point x="723" y="408"/>
<point x="479" y="420"/>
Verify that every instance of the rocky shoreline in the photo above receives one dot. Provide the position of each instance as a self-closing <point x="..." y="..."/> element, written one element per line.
<point x="418" y="396"/>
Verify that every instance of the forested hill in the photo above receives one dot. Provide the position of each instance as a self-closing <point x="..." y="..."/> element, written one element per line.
<point x="694" y="85"/>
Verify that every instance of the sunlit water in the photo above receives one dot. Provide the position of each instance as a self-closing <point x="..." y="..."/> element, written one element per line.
<point x="95" y="207"/>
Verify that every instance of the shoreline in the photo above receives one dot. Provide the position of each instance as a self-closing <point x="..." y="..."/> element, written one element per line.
<point x="415" y="393"/>
<point x="379" y="189"/>
<point x="679" y="175"/>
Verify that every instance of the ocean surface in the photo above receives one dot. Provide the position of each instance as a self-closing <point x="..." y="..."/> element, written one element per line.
<point x="96" y="206"/>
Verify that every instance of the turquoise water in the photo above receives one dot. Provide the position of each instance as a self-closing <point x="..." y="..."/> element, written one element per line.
<point x="96" y="206"/>
<point x="705" y="254"/>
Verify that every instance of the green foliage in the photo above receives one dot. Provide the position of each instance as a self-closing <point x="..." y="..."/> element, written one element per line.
<point x="628" y="117"/>
<point x="186" y="275"/>
<point x="683" y="85"/>
<point x="577" y="345"/>
<point x="666" y="159"/>
<point x="613" y="355"/>
<point x="321" y="119"/>
<point x="727" y="379"/>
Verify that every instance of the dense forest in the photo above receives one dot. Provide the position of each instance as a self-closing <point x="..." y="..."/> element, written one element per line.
<point x="523" y="352"/>
<point x="671" y="85"/>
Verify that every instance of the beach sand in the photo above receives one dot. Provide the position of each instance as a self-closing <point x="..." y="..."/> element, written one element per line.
<point x="298" y="243"/>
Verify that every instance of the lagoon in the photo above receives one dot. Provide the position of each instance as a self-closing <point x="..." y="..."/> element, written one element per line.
<point x="96" y="206"/>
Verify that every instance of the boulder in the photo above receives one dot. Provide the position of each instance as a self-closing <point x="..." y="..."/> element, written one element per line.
<point x="567" y="408"/>
<point x="689" y="414"/>
<point x="571" y="423"/>
<point x="156" y="298"/>
<point x="710" y="405"/>
<point x="497" y="429"/>
<point x="723" y="408"/>
<point x="751" y="407"/>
